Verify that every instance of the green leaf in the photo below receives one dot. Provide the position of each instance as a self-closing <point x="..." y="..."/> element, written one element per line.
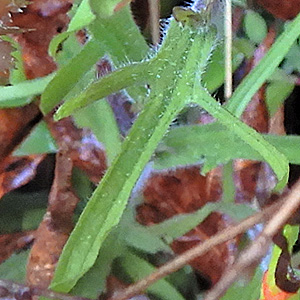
<point x="194" y="144"/>
<point x="17" y="74"/>
<point x="32" y="218"/>
<point x="276" y="93"/>
<point x="99" y="117"/>
<point x="179" y="225"/>
<point x="82" y="17"/>
<point x="23" y="92"/>
<point x="270" y="154"/>
<point x="137" y="268"/>
<point x="69" y="74"/>
<point x="228" y="184"/>
<point x="94" y="281"/>
<point x="143" y="238"/>
<point x="118" y="36"/>
<point x="134" y="235"/>
<point x="253" y="81"/>
<point x="292" y="59"/>
<point x="255" y="26"/>
<point x="21" y="212"/>
<point x="56" y="42"/>
<point x="113" y="82"/>
<point x="105" y="8"/>
<point x="14" y="268"/>
<point x="213" y="77"/>
<point x="242" y="289"/>
<point x="39" y="141"/>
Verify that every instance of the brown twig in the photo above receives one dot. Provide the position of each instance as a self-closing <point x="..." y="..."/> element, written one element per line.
<point x="20" y="291"/>
<point x="154" y="21"/>
<point x="186" y="257"/>
<point x="260" y="246"/>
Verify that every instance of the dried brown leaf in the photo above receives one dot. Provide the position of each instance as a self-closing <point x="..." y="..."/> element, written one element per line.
<point x="45" y="19"/>
<point x="84" y="149"/>
<point x="15" y="124"/>
<point x="184" y="191"/>
<point x="284" y="9"/>
<point x="18" y="172"/>
<point x="9" y="243"/>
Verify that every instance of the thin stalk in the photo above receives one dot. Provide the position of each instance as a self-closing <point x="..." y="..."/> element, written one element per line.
<point x="154" y="20"/>
<point x="228" y="183"/>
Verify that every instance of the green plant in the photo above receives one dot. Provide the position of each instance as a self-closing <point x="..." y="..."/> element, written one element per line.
<point x="176" y="75"/>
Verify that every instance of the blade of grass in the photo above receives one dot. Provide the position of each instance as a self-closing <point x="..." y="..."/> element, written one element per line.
<point x="69" y="74"/>
<point x="17" y="95"/>
<point x="253" y="81"/>
<point x="113" y="82"/>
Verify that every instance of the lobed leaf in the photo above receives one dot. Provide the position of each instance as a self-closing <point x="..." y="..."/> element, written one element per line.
<point x="193" y="144"/>
<point x="270" y="154"/>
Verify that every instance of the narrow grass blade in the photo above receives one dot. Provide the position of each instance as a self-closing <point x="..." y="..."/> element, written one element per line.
<point x="115" y="81"/>
<point x="17" y="95"/>
<point x="252" y="82"/>
<point x="69" y="74"/>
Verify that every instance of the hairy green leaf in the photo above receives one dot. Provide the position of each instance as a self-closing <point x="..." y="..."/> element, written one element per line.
<point x="113" y="82"/>
<point x="117" y="36"/>
<point x="193" y="144"/>
<point x="270" y="154"/>
<point x="110" y="198"/>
